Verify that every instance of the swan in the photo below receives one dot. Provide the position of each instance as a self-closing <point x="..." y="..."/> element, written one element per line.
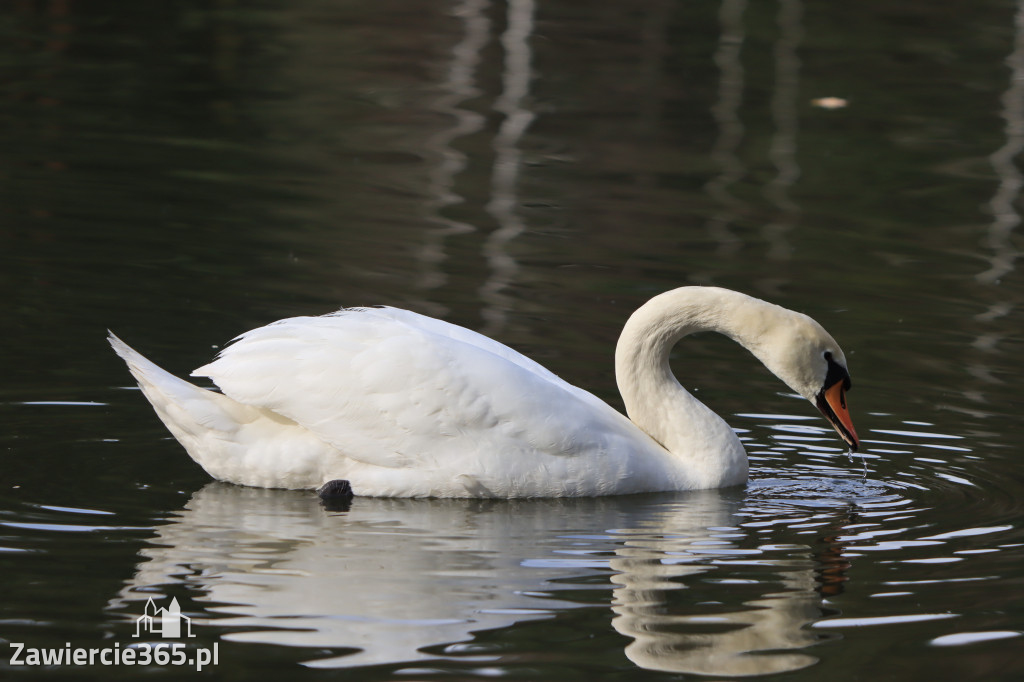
<point x="403" y="405"/>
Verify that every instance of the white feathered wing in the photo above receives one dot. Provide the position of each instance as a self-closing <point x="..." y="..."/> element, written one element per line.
<point x="413" y="406"/>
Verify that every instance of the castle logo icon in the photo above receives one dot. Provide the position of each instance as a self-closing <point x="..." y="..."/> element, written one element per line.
<point x="167" y="622"/>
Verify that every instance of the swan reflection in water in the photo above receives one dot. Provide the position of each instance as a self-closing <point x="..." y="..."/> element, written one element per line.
<point x="709" y="637"/>
<point x="388" y="578"/>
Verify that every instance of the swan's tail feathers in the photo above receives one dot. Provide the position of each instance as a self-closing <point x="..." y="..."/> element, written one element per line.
<point x="160" y="386"/>
<point x="149" y="375"/>
<point x="193" y="415"/>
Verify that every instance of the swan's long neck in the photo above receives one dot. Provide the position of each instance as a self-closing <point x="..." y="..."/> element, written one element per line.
<point x="657" y="403"/>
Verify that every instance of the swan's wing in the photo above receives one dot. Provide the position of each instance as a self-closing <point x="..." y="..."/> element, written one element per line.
<point x="393" y="388"/>
<point x="442" y="329"/>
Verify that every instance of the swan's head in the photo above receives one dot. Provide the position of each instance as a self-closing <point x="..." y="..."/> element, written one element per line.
<point x="792" y="345"/>
<point x="801" y="353"/>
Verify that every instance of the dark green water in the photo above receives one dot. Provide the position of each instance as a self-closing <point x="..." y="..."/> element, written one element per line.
<point x="182" y="172"/>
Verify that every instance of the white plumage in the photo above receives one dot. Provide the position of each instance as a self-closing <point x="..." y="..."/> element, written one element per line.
<point x="400" y="404"/>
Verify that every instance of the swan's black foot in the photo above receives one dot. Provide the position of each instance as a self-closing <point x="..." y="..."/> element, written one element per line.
<point x="336" y="495"/>
<point x="336" y="489"/>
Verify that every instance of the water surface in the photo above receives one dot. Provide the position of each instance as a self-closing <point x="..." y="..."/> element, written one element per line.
<point x="534" y="170"/>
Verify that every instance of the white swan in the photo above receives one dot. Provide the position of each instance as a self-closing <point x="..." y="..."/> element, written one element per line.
<point x="402" y="405"/>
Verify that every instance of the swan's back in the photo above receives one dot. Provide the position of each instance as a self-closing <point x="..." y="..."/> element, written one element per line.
<point x="387" y="347"/>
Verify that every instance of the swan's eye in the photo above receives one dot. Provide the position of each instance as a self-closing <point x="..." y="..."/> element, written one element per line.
<point x="836" y="373"/>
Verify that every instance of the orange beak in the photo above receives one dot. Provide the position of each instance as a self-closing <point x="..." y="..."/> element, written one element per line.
<point x="832" y="403"/>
